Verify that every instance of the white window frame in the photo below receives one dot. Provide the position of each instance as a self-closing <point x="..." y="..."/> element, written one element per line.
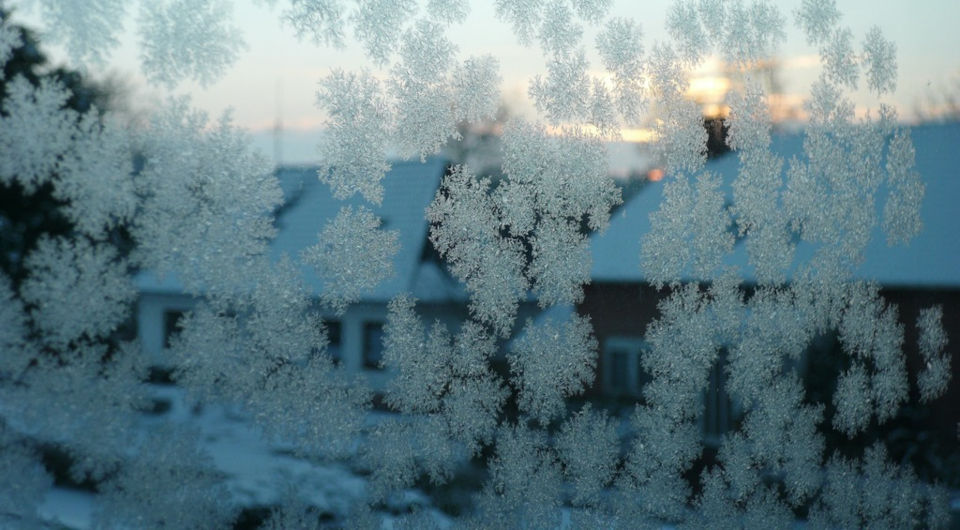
<point x="633" y="346"/>
<point x="366" y="344"/>
<point x="720" y="409"/>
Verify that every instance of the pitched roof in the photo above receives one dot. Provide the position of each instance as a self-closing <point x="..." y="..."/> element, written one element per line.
<point x="931" y="259"/>
<point x="408" y="187"/>
<point x="308" y="204"/>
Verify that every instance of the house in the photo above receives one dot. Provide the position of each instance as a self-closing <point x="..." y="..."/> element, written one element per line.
<point x="355" y="337"/>
<point x="621" y="302"/>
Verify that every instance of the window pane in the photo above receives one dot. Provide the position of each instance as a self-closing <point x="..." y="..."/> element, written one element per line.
<point x="372" y="344"/>
<point x="171" y="325"/>
<point x="333" y="339"/>
<point x="619" y="371"/>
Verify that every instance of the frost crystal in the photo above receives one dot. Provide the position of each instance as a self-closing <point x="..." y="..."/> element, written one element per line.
<point x="817" y="18"/>
<point x="447" y="11"/>
<point x="757" y="189"/>
<point x="525" y="486"/>
<point x="183" y="491"/>
<point x="352" y="152"/>
<point x="558" y="32"/>
<point x="523" y="15"/>
<point x="684" y="27"/>
<point x="552" y="361"/>
<point x="52" y="399"/>
<point x="322" y="20"/>
<point x="378" y="25"/>
<point x="15" y="355"/>
<point x="874" y="493"/>
<point x="603" y="114"/>
<point x="870" y="333"/>
<point x="265" y="350"/>
<point x="561" y="262"/>
<point x="445" y="383"/>
<point x="9" y="40"/>
<point x="293" y="514"/>
<point x="564" y="177"/>
<point x="752" y="34"/>
<point x="37" y="114"/>
<point x="425" y="118"/>
<point x="207" y="201"/>
<point x="588" y="447"/>
<point x="933" y="341"/>
<point x="839" y="59"/>
<point x="901" y="211"/>
<point x="88" y="28"/>
<point x="87" y="157"/>
<point x="76" y="290"/>
<point x="352" y="257"/>
<point x="563" y="94"/>
<point x="621" y="50"/>
<point x="547" y="183"/>
<point x="681" y="136"/>
<point x="684" y="344"/>
<point x="591" y="11"/>
<point x="475" y="89"/>
<point x="422" y="366"/>
<point x="29" y="480"/>
<point x="661" y="450"/>
<point x="465" y="229"/>
<point x="743" y="34"/>
<point x="723" y="375"/>
<point x="187" y="39"/>
<point x="881" y="58"/>
<point x="695" y="214"/>
<point x="95" y="177"/>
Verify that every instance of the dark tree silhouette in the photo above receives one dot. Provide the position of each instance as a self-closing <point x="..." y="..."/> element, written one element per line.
<point x="26" y="217"/>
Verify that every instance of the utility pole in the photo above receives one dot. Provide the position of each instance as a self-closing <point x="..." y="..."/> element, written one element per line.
<point x="278" y="125"/>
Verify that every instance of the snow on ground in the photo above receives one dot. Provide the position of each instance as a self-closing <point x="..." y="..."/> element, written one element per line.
<point x="67" y="507"/>
<point x="257" y="473"/>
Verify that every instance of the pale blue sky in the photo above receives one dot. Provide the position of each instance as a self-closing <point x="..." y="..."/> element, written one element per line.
<point x="926" y="34"/>
<point x="278" y="68"/>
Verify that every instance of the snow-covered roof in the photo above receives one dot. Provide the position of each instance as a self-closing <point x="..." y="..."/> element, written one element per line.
<point x="931" y="259"/>
<point x="433" y="284"/>
<point x="408" y="188"/>
<point x="308" y="204"/>
<point x="616" y="251"/>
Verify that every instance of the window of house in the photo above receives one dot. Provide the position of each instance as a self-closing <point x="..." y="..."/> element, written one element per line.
<point x="171" y="325"/>
<point x="333" y="340"/>
<point x="372" y="344"/>
<point x="720" y="411"/>
<point x="623" y="374"/>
